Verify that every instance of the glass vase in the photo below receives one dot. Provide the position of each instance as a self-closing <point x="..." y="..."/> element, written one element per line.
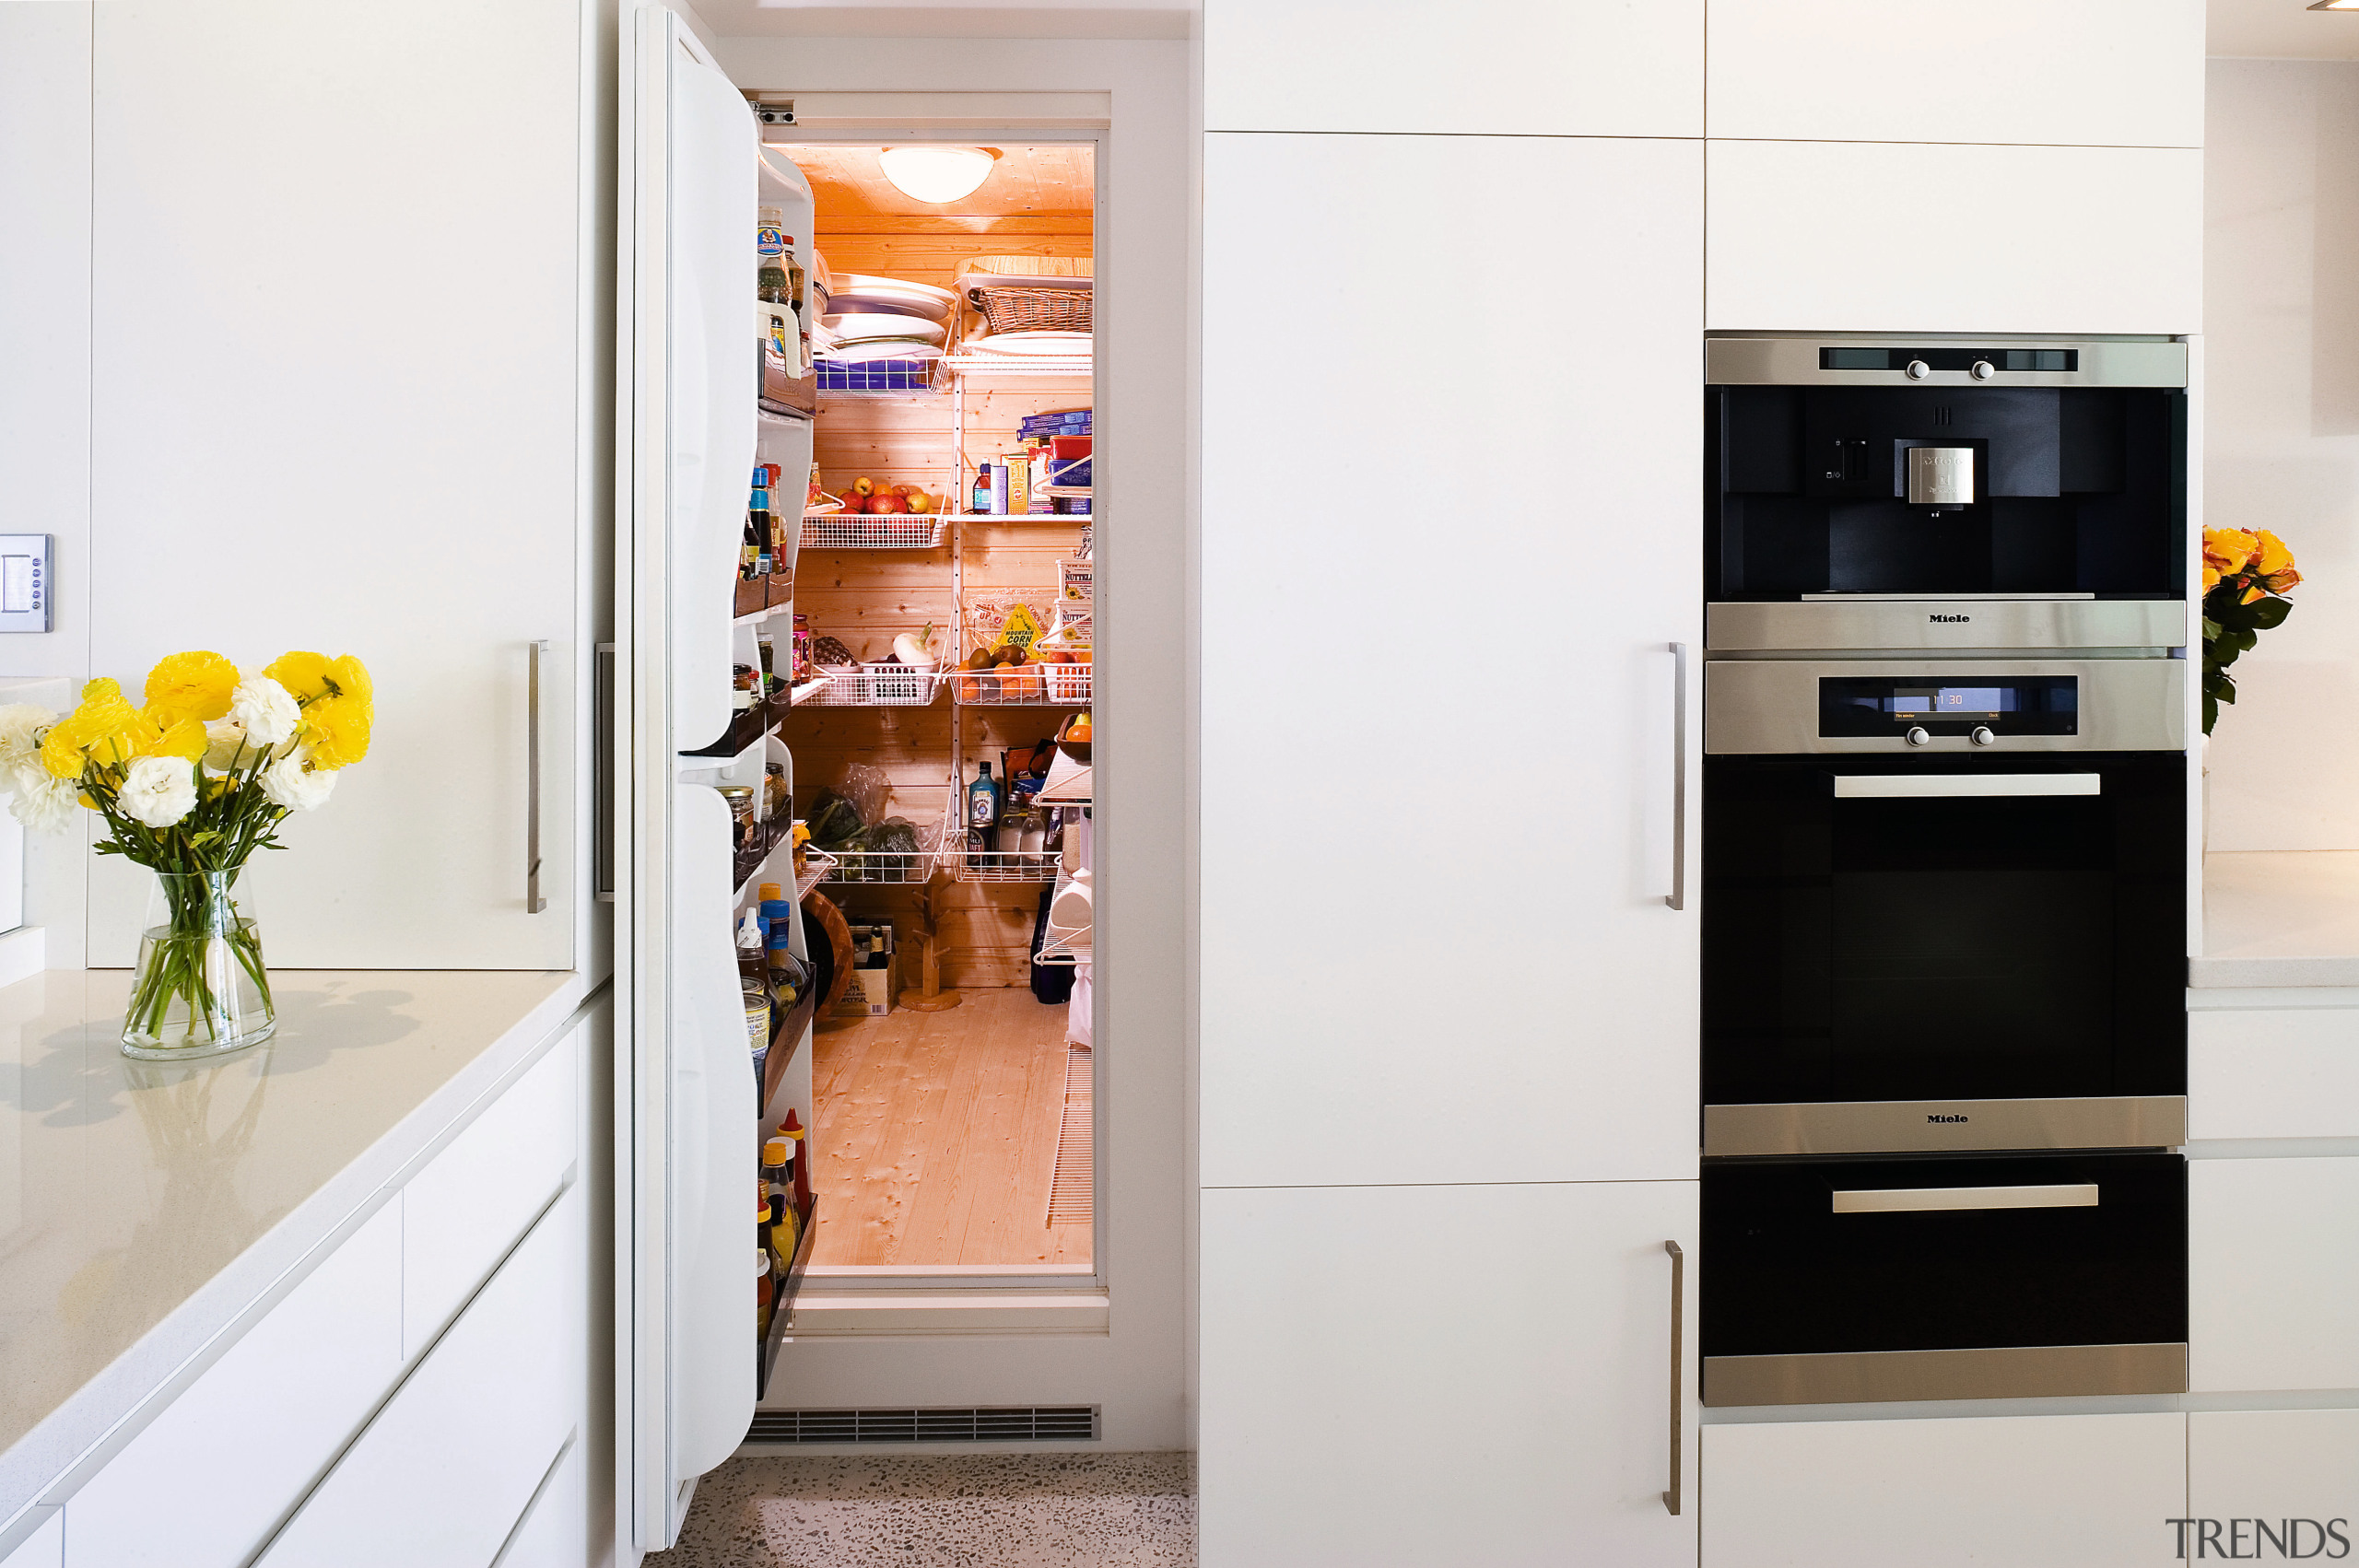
<point x="199" y="987"/>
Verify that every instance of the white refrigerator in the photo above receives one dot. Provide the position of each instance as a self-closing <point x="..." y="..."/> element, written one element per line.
<point x="689" y="1117"/>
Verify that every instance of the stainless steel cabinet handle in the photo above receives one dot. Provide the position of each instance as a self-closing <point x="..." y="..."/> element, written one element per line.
<point x="534" y="902"/>
<point x="1921" y="786"/>
<point x="1922" y="1199"/>
<point x="1678" y="898"/>
<point x="1678" y="1304"/>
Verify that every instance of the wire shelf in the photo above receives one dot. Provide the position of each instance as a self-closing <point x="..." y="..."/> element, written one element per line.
<point x="877" y="688"/>
<point x="799" y="695"/>
<point x="869" y="530"/>
<point x="1003" y="865"/>
<point x="888" y="867"/>
<point x="1015" y="365"/>
<point x="818" y="867"/>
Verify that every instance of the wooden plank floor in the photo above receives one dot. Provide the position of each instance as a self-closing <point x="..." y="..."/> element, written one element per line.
<point x="936" y="1136"/>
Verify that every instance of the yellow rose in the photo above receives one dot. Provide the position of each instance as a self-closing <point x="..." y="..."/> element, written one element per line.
<point x="2229" y="549"/>
<point x="167" y="732"/>
<point x="337" y="729"/>
<point x="2269" y="555"/>
<point x="2211" y="576"/>
<point x="197" y="685"/>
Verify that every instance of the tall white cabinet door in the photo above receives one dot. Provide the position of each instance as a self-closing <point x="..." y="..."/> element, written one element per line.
<point x="1504" y="67"/>
<point x="337" y="406"/>
<point x="2103" y="72"/>
<point x="1436" y="940"/>
<point x="1415" y="1375"/>
<point x="1863" y="237"/>
<point x="2029" y="1492"/>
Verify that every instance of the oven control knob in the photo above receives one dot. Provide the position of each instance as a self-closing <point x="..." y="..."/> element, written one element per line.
<point x="1918" y="369"/>
<point x="1984" y="370"/>
<point x="1982" y="736"/>
<point x="1917" y="736"/>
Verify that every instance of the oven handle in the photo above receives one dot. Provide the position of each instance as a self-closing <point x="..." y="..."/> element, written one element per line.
<point x="1920" y="786"/>
<point x="1923" y="1200"/>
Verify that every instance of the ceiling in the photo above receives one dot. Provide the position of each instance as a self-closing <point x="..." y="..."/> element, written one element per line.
<point x="1052" y="178"/>
<point x="946" y="18"/>
<point x="2280" y="30"/>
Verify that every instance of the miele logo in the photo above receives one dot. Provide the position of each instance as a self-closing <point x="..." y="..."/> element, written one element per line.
<point x="1945" y="1118"/>
<point x="1952" y="620"/>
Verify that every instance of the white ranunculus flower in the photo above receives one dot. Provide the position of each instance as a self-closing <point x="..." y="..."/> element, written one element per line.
<point x="268" y="710"/>
<point x="44" y="804"/>
<point x="157" y="790"/>
<point x="225" y="741"/>
<point x="20" y="727"/>
<point x="284" y="783"/>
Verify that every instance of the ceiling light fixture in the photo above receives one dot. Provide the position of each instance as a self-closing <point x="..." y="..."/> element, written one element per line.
<point x="936" y="174"/>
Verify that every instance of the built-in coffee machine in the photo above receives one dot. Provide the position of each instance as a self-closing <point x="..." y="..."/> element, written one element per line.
<point x="1944" y="861"/>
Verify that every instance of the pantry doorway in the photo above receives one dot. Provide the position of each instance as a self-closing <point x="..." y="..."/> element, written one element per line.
<point x="946" y="589"/>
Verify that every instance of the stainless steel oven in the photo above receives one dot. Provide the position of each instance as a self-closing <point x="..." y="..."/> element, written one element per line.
<point x="1944" y="904"/>
<point x="1939" y="1277"/>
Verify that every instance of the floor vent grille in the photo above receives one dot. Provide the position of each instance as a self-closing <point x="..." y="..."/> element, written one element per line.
<point x="1070" y="1190"/>
<point x="1019" y="1423"/>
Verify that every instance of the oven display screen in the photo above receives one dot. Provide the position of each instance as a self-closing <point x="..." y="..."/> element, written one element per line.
<point x="2032" y="705"/>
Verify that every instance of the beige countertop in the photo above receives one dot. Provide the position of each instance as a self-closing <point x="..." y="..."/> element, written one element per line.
<point x="145" y="1208"/>
<point x="2280" y="918"/>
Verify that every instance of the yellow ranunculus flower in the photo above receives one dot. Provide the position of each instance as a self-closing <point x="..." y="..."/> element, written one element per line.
<point x="104" y="729"/>
<point x="305" y="675"/>
<point x="337" y="729"/>
<point x="351" y="678"/>
<point x="197" y="685"/>
<point x="167" y="732"/>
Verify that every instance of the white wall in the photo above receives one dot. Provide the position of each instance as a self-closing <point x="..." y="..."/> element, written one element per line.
<point x="2281" y="437"/>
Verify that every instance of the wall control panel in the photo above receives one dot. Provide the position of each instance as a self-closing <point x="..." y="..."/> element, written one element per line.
<point x="24" y="582"/>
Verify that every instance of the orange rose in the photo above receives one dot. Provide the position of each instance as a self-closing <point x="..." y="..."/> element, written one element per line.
<point x="2226" y="552"/>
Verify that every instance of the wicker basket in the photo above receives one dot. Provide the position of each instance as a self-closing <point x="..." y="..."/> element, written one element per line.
<point x="1062" y="300"/>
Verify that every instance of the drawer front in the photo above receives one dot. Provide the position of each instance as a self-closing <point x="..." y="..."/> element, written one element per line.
<point x="44" y="1548"/>
<point x="2282" y="1072"/>
<point x="2248" y="1470"/>
<point x="468" y="1206"/>
<point x="2029" y="1492"/>
<point x="555" y="1531"/>
<point x="1864" y="1255"/>
<point x="2273" y="1274"/>
<point x="449" y="1466"/>
<point x="218" y="1468"/>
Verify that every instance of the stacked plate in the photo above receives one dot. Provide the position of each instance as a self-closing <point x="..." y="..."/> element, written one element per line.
<point x="885" y="318"/>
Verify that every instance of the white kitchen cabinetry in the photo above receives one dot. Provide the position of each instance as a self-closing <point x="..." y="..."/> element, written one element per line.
<point x="2029" y="1492"/>
<point x="1514" y="68"/>
<point x="2108" y="73"/>
<point x="315" y="428"/>
<point x="216" y="1471"/>
<point x="1473" y="524"/>
<point x="1864" y="237"/>
<point x="2274" y="1466"/>
<point x="45" y="1548"/>
<point x="2273" y="1274"/>
<point x="2272" y="1073"/>
<point x="1415" y="1375"/>
<point x="450" y="1467"/>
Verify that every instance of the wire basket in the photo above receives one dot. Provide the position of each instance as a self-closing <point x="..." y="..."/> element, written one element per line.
<point x="1021" y="685"/>
<point x="864" y="530"/>
<point x="887" y="868"/>
<point x="873" y="377"/>
<point x="1003" y="865"/>
<point x="873" y="687"/>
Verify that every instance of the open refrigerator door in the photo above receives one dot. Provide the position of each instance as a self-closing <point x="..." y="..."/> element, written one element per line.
<point x="686" y="1113"/>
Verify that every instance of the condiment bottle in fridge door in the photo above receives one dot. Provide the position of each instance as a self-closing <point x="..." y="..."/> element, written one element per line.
<point x="801" y="1179"/>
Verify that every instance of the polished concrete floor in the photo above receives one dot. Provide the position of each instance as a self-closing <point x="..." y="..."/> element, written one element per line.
<point x="972" y="1511"/>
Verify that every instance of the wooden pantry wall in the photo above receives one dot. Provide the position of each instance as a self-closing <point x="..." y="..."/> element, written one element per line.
<point x="866" y="597"/>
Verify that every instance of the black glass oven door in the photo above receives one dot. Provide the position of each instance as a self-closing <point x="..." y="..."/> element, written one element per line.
<point x="1899" y="929"/>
